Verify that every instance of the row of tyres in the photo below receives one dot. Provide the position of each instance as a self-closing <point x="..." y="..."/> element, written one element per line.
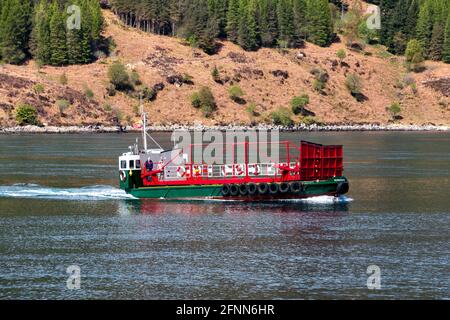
<point x="252" y="189"/>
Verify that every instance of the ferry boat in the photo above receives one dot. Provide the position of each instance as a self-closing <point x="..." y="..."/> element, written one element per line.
<point x="306" y="170"/>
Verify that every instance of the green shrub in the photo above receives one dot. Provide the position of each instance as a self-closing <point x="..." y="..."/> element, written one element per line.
<point x="395" y="109"/>
<point x="119" y="77"/>
<point x="136" y="110"/>
<point x="320" y="75"/>
<point x="414" y="52"/>
<point x="111" y="90"/>
<point x="309" y="120"/>
<point x="62" y="105"/>
<point x="321" y="79"/>
<point x="298" y="103"/>
<point x="135" y="78"/>
<point x="38" y="88"/>
<point x="236" y="93"/>
<point x="63" y="79"/>
<point x="107" y="107"/>
<point x="282" y="117"/>
<point x="195" y="100"/>
<point x="341" y="54"/>
<point x="354" y="83"/>
<point x="251" y="110"/>
<point x="318" y="85"/>
<point x="89" y="93"/>
<point x="188" y="79"/>
<point x="26" y="114"/>
<point x="204" y="99"/>
<point x="118" y="114"/>
<point x="414" y="55"/>
<point x="215" y="73"/>
<point x="148" y="93"/>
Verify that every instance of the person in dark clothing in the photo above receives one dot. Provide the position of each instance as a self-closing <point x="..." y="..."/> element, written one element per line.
<point x="149" y="165"/>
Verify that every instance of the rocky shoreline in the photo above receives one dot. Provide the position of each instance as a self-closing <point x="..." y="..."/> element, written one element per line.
<point x="300" y="128"/>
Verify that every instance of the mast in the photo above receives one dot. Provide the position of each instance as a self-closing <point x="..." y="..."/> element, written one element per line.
<point x="144" y="130"/>
<point x="144" y="126"/>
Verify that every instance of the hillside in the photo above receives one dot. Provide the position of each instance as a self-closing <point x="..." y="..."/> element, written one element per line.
<point x="155" y="58"/>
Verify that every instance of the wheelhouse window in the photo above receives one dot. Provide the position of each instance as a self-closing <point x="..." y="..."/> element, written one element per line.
<point x="131" y="164"/>
<point x="138" y="164"/>
<point x="123" y="164"/>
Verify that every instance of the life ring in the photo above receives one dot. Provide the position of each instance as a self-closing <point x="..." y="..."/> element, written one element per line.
<point x="123" y="176"/>
<point x="181" y="172"/>
<point x="256" y="170"/>
<point x="239" y="170"/>
<point x="197" y="171"/>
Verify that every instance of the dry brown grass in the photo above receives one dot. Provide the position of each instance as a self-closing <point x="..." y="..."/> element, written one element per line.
<point x="155" y="57"/>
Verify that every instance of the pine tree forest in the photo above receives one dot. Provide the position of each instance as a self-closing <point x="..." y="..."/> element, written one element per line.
<point x="38" y="29"/>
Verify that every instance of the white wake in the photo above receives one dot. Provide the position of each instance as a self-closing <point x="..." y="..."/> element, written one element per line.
<point x="33" y="191"/>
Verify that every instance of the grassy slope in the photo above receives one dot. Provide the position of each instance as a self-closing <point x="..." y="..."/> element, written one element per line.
<point x="156" y="57"/>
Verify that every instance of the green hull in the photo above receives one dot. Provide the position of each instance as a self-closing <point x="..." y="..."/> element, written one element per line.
<point x="173" y="192"/>
<point x="311" y="189"/>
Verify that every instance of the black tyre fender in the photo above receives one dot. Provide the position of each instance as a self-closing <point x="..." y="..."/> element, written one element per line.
<point x="284" y="187"/>
<point x="343" y="188"/>
<point x="263" y="188"/>
<point x="243" y="190"/>
<point x="226" y="192"/>
<point x="234" y="190"/>
<point x="274" y="188"/>
<point x="296" y="187"/>
<point x="252" y="189"/>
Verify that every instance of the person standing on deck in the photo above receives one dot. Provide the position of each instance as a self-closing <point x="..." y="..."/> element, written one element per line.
<point x="149" y="165"/>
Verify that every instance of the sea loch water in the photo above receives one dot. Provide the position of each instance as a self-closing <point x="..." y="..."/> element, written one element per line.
<point x="60" y="207"/>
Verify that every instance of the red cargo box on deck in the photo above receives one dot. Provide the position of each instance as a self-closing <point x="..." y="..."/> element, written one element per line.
<point x="318" y="162"/>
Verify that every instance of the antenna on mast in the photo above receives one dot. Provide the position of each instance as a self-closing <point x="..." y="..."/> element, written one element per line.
<point x="144" y="123"/>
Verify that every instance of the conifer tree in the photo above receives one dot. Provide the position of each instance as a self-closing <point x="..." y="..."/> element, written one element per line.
<point x="299" y="7"/>
<point x="425" y="26"/>
<point x="86" y="33"/>
<point x="15" y="29"/>
<point x="268" y="22"/>
<point x="248" y="32"/>
<point x="411" y="19"/>
<point x="285" y="14"/>
<point x="58" y="45"/>
<point x="232" y="28"/>
<point x="446" y="48"/>
<point x="41" y="33"/>
<point x="319" y="20"/>
<point x="387" y="31"/>
<point x="437" y="42"/>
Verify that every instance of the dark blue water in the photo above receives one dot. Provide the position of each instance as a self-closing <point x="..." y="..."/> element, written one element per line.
<point x="60" y="206"/>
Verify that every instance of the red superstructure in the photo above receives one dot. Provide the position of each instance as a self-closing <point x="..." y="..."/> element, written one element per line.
<point x="307" y="162"/>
